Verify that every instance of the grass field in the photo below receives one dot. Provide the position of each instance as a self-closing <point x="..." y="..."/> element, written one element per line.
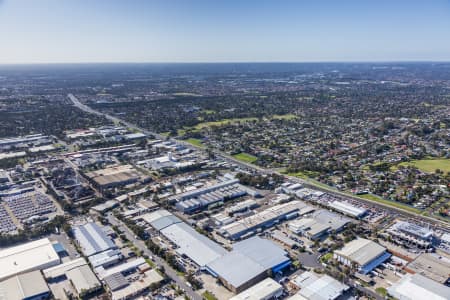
<point x="195" y="142"/>
<point x="183" y="94"/>
<point x="429" y="165"/>
<point x="222" y="122"/>
<point x="245" y="157"/>
<point x="392" y="203"/>
<point x="284" y="117"/>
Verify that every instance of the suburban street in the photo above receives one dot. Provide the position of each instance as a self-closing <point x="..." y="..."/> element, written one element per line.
<point x="170" y="272"/>
<point x="248" y="166"/>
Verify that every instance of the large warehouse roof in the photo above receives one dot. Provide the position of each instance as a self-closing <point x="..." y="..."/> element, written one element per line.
<point x="92" y="239"/>
<point x="262" y="251"/>
<point x="235" y="268"/>
<point x="248" y="259"/>
<point x="83" y="279"/>
<point x="194" y="245"/>
<point x="31" y="256"/>
<point x="24" y="286"/>
<point x="319" y="288"/>
<point x="266" y="289"/>
<point x="361" y="251"/>
<point x="418" y="287"/>
<point x="160" y="219"/>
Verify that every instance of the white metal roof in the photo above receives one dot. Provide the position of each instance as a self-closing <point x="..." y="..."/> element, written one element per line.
<point x="194" y="245"/>
<point x="361" y="251"/>
<point x="265" y="289"/>
<point x="418" y="287"/>
<point x="34" y="255"/>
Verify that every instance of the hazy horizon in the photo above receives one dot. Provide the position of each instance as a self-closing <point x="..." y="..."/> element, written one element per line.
<point x="182" y="31"/>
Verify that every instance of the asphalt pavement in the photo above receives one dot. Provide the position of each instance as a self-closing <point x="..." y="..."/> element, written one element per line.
<point x="170" y="272"/>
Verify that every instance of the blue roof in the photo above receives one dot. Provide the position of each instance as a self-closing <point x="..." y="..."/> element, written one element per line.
<point x="374" y="263"/>
<point x="59" y="248"/>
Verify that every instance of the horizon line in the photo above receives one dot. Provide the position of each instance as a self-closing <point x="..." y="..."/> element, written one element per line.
<point x="227" y="62"/>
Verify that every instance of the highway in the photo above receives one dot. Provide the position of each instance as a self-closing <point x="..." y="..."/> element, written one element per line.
<point x="392" y="209"/>
<point x="170" y="272"/>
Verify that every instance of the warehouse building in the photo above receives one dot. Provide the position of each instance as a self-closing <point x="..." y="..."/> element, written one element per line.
<point x="411" y="234"/>
<point x="83" y="280"/>
<point x="313" y="287"/>
<point x="35" y="255"/>
<point x="431" y="265"/>
<point x="59" y="271"/>
<point x="92" y="239"/>
<point x="160" y="219"/>
<point x="364" y="255"/>
<point x="197" y="247"/>
<point x="201" y="198"/>
<point x="309" y="227"/>
<point x="265" y="290"/>
<point x="418" y="287"/>
<point x="25" y="286"/>
<point x="250" y="262"/>
<point x="264" y="219"/>
<point x="114" y="176"/>
<point x="348" y="209"/>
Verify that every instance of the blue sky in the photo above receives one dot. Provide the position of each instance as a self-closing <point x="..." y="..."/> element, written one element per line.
<point x="42" y="31"/>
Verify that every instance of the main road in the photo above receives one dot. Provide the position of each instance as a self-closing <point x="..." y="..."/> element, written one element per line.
<point x="400" y="211"/>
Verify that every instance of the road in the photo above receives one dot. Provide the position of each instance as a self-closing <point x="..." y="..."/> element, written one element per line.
<point x="170" y="272"/>
<point x="417" y="217"/>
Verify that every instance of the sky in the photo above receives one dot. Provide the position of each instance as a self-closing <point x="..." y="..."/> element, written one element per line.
<point x="82" y="31"/>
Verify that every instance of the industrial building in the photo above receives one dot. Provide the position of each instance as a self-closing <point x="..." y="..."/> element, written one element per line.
<point x="412" y="234"/>
<point x="136" y="287"/>
<point x="83" y="280"/>
<point x="348" y="209"/>
<point x="129" y="266"/>
<point x="56" y="272"/>
<point x="313" y="287"/>
<point x="264" y="219"/>
<point x="114" y="176"/>
<point x="25" y="286"/>
<point x="364" y="255"/>
<point x="92" y="239"/>
<point x="431" y="265"/>
<point x="105" y="258"/>
<point x="201" y="198"/>
<point x="160" y="219"/>
<point x="418" y="287"/>
<point x="35" y="255"/>
<point x="248" y="263"/>
<point x="309" y="227"/>
<point x="200" y="249"/>
<point x="264" y="290"/>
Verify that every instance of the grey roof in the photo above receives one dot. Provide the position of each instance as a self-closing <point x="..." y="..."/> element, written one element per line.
<point x="92" y="239"/>
<point x="194" y="245"/>
<point x="319" y="288"/>
<point x="116" y="281"/>
<point x="248" y="259"/>
<point x="164" y="222"/>
<point x="236" y="268"/>
<point x="418" y="287"/>
<point x="23" y="286"/>
<point x="83" y="278"/>
<point x="264" y="252"/>
<point x="361" y="251"/>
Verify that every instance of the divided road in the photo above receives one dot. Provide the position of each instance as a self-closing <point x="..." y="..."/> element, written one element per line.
<point x="244" y="165"/>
